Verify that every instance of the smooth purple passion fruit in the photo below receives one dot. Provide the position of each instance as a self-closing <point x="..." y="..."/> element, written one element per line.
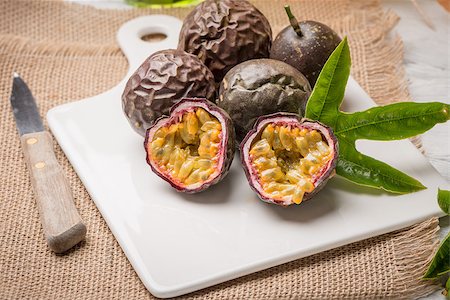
<point x="161" y="81"/>
<point x="260" y="87"/>
<point x="305" y="45"/>
<point x="287" y="159"/>
<point x="225" y="33"/>
<point x="192" y="148"/>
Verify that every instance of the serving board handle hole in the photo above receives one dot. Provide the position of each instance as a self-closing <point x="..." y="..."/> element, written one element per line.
<point x="136" y="49"/>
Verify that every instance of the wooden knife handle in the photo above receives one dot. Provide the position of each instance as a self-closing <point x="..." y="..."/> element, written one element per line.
<point x="63" y="227"/>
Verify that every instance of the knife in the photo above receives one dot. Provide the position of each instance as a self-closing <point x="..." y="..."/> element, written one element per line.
<point x="63" y="227"/>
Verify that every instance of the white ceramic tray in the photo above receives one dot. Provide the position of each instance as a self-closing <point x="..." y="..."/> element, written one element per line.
<point x="180" y="243"/>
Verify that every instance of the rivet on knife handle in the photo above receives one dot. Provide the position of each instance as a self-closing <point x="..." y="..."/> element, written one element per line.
<point x="63" y="227"/>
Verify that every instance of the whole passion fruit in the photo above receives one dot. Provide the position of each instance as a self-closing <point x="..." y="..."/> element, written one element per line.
<point x="192" y="148"/>
<point x="305" y="45"/>
<point x="259" y="87"/>
<point x="287" y="159"/>
<point x="225" y="33"/>
<point x="161" y="81"/>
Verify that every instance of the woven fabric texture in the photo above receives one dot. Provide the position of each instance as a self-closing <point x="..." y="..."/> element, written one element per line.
<point x="67" y="52"/>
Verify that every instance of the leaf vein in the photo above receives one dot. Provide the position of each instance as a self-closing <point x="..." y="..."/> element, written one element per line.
<point x="384" y="121"/>
<point x="328" y="86"/>
<point x="394" y="180"/>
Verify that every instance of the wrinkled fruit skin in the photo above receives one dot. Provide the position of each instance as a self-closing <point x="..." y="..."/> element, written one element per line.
<point x="227" y="148"/>
<point x="259" y="87"/>
<point x="308" y="53"/>
<point x="287" y="118"/>
<point x="160" y="82"/>
<point x="224" y="33"/>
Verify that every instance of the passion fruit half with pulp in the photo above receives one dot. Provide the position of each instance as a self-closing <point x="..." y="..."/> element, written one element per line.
<point x="287" y="159"/>
<point x="260" y="87"/>
<point x="161" y="81"/>
<point x="224" y="33"/>
<point x="192" y="148"/>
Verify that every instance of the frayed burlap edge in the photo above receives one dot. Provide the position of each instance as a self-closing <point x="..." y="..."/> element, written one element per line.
<point x="412" y="256"/>
<point x="383" y="76"/>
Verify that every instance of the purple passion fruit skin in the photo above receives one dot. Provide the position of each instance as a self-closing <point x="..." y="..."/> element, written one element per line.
<point x="224" y="33"/>
<point x="307" y="53"/>
<point x="287" y="159"/>
<point x="193" y="147"/>
<point x="161" y="81"/>
<point x="260" y="87"/>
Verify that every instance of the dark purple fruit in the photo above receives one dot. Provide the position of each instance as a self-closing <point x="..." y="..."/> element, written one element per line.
<point x="259" y="87"/>
<point x="161" y="81"/>
<point x="287" y="159"/>
<point x="224" y="33"/>
<point x="192" y="148"/>
<point x="305" y="45"/>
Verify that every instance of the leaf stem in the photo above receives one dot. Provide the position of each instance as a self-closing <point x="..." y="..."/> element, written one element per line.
<point x="293" y="21"/>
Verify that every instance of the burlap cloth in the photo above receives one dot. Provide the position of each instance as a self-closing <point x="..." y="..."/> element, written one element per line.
<point x="68" y="52"/>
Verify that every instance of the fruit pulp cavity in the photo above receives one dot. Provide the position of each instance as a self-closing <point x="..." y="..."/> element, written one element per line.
<point x="288" y="160"/>
<point x="187" y="148"/>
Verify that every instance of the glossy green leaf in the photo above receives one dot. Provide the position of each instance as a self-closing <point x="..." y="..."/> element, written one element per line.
<point x="368" y="171"/>
<point x="328" y="93"/>
<point x="444" y="201"/>
<point x="441" y="262"/>
<point x="447" y="288"/>
<point x="392" y="122"/>
<point x="383" y="123"/>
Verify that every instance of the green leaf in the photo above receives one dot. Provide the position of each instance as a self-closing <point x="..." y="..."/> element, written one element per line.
<point x="444" y="200"/>
<point x="383" y="123"/>
<point x="392" y="122"/>
<point x="447" y="288"/>
<point x="441" y="262"/>
<point x="328" y="93"/>
<point x="368" y="171"/>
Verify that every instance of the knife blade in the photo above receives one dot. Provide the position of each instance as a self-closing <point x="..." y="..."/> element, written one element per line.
<point x="61" y="222"/>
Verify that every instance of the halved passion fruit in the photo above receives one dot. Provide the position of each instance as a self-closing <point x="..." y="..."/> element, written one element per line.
<point x="287" y="159"/>
<point x="192" y="148"/>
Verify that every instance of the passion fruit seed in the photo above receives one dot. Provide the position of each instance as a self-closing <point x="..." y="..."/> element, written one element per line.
<point x="287" y="159"/>
<point x="188" y="148"/>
